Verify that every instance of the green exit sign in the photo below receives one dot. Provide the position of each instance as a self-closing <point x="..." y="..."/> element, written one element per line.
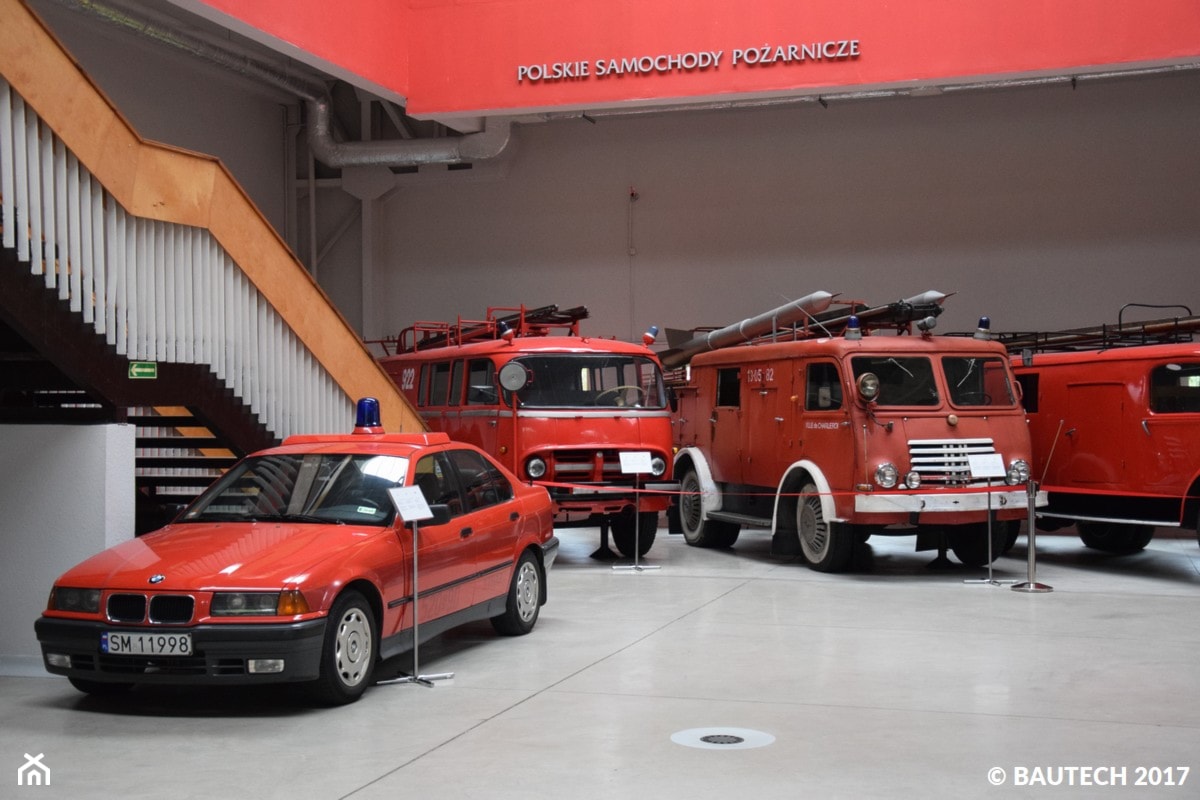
<point x="144" y="370"/>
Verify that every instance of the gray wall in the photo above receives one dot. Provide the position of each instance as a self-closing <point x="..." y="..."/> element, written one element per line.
<point x="1041" y="208"/>
<point x="67" y="493"/>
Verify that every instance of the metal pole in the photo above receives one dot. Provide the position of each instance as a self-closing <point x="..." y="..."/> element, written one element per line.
<point x="1031" y="584"/>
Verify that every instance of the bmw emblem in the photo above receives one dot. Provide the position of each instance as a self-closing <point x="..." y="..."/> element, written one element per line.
<point x="158" y="578"/>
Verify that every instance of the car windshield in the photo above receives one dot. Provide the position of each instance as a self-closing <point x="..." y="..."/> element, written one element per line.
<point x="583" y="380"/>
<point x="305" y="487"/>
<point x="978" y="381"/>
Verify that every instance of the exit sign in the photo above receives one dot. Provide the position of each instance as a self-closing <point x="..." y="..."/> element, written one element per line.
<point x="143" y="370"/>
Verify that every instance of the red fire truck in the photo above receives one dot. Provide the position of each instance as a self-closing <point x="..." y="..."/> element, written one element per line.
<point x="588" y="418"/>
<point x="813" y="423"/>
<point x="1114" y="414"/>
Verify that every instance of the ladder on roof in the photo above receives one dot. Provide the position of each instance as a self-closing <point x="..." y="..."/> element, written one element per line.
<point x="1169" y="330"/>
<point x="522" y="322"/>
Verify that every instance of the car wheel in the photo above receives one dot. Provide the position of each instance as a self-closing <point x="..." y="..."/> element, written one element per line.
<point x="698" y="531"/>
<point x="624" y="531"/>
<point x="970" y="542"/>
<point x="1113" y="537"/>
<point x="99" y="688"/>
<point x="827" y="547"/>
<point x="524" y="599"/>
<point x="348" y="653"/>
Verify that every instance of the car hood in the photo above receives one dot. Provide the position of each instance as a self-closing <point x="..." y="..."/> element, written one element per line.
<point x="200" y="556"/>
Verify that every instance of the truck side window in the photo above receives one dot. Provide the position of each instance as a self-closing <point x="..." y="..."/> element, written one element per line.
<point x="729" y="389"/>
<point x="423" y="391"/>
<point x="823" y="390"/>
<point x="481" y="383"/>
<point x="439" y="384"/>
<point x="1175" y="388"/>
<point x="1029" y="391"/>
<point x="456" y="384"/>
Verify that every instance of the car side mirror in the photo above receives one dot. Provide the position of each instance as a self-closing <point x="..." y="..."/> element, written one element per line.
<point x="441" y="515"/>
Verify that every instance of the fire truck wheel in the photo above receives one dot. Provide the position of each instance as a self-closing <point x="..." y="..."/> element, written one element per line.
<point x="698" y="531"/>
<point x="625" y="533"/>
<point x="827" y="547"/>
<point x="969" y="542"/>
<point x="1112" y="537"/>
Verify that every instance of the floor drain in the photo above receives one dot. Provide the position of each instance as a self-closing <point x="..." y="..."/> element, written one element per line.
<point x="722" y="738"/>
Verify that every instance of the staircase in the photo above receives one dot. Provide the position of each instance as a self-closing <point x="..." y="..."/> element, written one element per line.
<point x="138" y="284"/>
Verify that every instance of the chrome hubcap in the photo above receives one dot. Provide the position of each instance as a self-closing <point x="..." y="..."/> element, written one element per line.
<point x="353" y="644"/>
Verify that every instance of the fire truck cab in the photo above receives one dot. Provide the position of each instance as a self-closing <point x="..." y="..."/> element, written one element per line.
<point x="1114" y="414"/>
<point x="588" y="418"/>
<point x="826" y="435"/>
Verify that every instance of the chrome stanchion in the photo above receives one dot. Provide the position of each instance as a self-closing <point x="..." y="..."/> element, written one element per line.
<point x="990" y="580"/>
<point x="411" y="507"/>
<point x="1031" y="584"/>
<point x="636" y="463"/>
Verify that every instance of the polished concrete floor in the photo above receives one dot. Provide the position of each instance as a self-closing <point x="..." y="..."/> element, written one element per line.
<point x="893" y="681"/>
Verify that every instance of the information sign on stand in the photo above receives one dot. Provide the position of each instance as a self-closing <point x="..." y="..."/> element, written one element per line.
<point x="636" y="462"/>
<point x="987" y="466"/>
<point x="412" y="508"/>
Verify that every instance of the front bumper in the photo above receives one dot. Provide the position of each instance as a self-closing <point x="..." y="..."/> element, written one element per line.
<point x="944" y="503"/>
<point x="220" y="652"/>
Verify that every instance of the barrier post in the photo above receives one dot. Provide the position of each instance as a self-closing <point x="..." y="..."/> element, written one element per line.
<point x="1031" y="584"/>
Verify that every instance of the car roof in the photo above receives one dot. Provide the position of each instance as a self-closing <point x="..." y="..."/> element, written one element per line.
<point x="401" y="444"/>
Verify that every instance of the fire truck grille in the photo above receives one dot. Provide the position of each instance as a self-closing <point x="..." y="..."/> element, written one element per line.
<point x="944" y="462"/>
<point x="587" y="466"/>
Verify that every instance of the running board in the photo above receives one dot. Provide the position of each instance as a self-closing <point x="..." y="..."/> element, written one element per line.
<point x="739" y="519"/>
<point x="1118" y="520"/>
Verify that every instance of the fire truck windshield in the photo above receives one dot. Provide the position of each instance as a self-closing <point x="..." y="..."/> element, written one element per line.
<point x="910" y="381"/>
<point x="584" y="380"/>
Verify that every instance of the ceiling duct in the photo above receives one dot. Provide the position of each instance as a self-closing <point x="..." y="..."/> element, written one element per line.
<point x="321" y="140"/>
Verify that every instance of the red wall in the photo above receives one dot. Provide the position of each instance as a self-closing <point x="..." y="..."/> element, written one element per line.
<point x="465" y="56"/>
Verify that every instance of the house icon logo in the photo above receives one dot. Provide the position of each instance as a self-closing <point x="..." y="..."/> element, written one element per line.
<point x="33" y="772"/>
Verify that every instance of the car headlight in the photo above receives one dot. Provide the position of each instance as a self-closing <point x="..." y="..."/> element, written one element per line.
<point x="535" y="467"/>
<point x="886" y="475"/>
<point x="83" y="601"/>
<point x="1018" y="472"/>
<point x="657" y="466"/>
<point x="245" y="604"/>
<point x="913" y="480"/>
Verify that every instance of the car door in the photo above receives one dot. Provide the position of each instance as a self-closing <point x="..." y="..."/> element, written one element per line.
<point x="446" y="557"/>
<point x="492" y="520"/>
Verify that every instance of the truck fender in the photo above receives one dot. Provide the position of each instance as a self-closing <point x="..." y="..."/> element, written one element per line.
<point x="691" y="455"/>
<point x="828" y="508"/>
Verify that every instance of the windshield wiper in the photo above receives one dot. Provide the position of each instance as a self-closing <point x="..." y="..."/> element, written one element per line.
<point x="302" y="518"/>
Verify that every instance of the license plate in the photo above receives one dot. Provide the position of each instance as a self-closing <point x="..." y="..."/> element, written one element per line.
<point x="146" y="644"/>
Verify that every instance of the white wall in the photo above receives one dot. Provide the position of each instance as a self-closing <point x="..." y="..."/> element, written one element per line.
<point x="67" y="493"/>
<point x="1042" y="208"/>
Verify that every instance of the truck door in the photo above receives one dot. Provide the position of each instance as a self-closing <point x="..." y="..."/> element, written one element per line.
<point x="1168" y="452"/>
<point x="822" y="430"/>
<point x="726" y="422"/>
<point x="764" y="419"/>
<point x="1093" y="441"/>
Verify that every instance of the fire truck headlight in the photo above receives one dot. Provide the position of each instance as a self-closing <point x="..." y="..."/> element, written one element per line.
<point x="535" y="468"/>
<point x="868" y="386"/>
<point x="1018" y="472"/>
<point x="657" y="466"/>
<point x="886" y="475"/>
<point x="913" y="480"/>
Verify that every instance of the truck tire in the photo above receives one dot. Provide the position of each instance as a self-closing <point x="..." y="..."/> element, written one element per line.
<point x="698" y="531"/>
<point x="625" y="531"/>
<point x="1113" y="537"/>
<point x="969" y="542"/>
<point x="827" y="546"/>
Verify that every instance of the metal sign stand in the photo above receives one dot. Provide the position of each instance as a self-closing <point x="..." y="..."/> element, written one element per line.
<point x="636" y="463"/>
<point x="988" y="465"/>
<point x="411" y="506"/>
<point x="1031" y="584"/>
